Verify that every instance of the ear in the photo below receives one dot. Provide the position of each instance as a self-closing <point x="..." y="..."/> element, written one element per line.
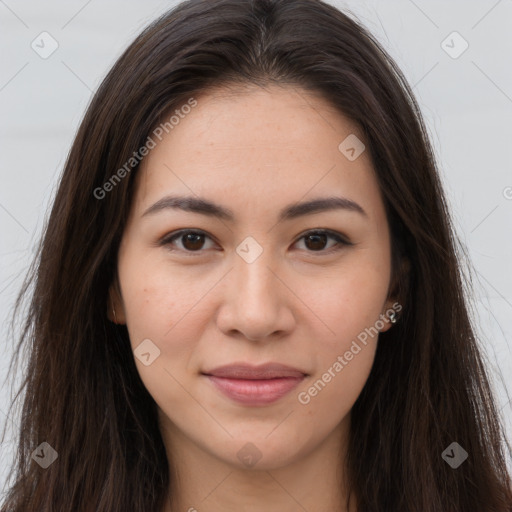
<point x="391" y="306"/>
<point x="115" y="303"/>
<point x="395" y="302"/>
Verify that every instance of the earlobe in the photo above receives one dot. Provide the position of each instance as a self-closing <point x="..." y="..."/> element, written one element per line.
<point x="390" y="316"/>
<point x="398" y="290"/>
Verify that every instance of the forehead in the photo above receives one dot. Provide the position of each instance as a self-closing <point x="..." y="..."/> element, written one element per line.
<point x="276" y="144"/>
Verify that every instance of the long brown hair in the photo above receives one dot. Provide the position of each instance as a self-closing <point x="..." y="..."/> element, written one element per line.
<point x="83" y="396"/>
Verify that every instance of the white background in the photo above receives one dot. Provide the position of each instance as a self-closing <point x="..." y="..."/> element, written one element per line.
<point x="467" y="104"/>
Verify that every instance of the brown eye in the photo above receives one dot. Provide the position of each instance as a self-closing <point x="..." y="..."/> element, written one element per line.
<point x="191" y="241"/>
<point x="316" y="241"/>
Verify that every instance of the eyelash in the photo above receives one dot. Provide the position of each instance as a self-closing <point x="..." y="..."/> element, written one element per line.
<point x="341" y="241"/>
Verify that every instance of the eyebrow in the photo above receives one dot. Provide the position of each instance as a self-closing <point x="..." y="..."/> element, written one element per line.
<point x="292" y="211"/>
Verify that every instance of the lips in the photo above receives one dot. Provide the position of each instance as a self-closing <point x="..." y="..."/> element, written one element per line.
<point x="249" y="372"/>
<point x="255" y="385"/>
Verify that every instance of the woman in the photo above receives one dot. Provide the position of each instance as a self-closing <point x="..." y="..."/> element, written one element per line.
<point x="247" y="295"/>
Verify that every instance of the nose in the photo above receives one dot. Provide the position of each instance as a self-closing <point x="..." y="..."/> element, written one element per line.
<point x="257" y="301"/>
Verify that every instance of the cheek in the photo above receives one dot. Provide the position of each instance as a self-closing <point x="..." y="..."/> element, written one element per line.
<point x="149" y="305"/>
<point x="159" y="308"/>
<point x="155" y="293"/>
<point x="157" y="303"/>
<point x="345" y="359"/>
<point x="349" y="301"/>
<point x="350" y="304"/>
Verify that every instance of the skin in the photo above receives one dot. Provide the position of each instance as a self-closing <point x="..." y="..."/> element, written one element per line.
<point x="255" y="151"/>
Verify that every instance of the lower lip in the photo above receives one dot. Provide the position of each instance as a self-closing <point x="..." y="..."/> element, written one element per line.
<point x="255" y="392"/>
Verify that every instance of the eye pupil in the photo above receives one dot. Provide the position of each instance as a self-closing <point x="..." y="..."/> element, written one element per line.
<point x="193" y="237"/>
<point x="315" y="238"/>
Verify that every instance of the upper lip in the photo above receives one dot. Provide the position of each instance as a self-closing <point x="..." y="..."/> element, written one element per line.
<point x="250" y="372"/>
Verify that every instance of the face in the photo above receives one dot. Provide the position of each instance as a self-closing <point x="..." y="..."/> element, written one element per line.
<point x="198" y="291"/>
